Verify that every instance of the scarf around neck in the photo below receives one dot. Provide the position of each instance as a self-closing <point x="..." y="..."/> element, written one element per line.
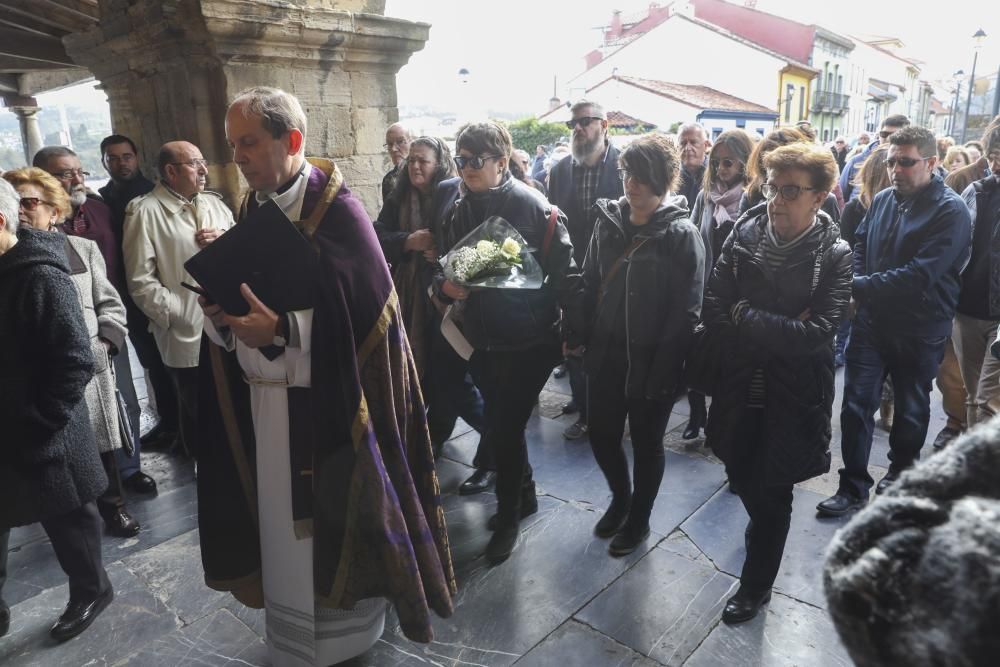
<point x="725" y="203"/>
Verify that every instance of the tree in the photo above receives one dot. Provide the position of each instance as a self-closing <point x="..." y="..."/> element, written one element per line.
<point x="528" y="133"/>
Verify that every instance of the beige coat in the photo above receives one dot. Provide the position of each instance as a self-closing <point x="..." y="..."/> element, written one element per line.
<point x="104" y="315"/>
<point x="158" y="239"/>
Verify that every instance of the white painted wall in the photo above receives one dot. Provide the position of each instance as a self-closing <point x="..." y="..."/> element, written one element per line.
<point x="675" y="51"/>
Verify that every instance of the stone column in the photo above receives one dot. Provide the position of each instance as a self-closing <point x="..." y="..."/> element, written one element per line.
<point x="170" y="68"/>
<point x="26" y="108"/>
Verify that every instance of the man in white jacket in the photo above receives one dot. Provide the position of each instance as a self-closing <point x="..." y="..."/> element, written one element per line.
<point x="164" y="229"/>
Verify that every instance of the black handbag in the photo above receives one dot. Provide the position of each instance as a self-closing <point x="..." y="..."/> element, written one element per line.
<point x="703" y="365"/>
<point x="124" y="423"/>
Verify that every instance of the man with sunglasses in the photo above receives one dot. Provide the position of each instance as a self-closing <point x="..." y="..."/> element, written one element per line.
<point x="574" y="185"/>
<point x="850" y="171"/>
<point x="910" y="251"/>
<point x="164" y="229"/>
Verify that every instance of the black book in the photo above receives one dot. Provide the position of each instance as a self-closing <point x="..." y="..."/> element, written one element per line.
<point x="265" y="251"/>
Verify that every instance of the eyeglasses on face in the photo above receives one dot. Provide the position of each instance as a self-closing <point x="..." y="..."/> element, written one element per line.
<point x="477" y="162"/>
<point x="788" y="192"/>
<point x="31" y="203"/>
<point x="397" y="142"/>
<point x="125" y="157"/>
<point x="583" y="121"/>
<point x="725" y="163"/>
<point x="194" y="164"/>
<point x="885" y="134"/>
<point x="904" y="162"/>
<point x="69" y="174"/>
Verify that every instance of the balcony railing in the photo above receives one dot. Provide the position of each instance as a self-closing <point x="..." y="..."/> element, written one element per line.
<point x="826" y="101"/>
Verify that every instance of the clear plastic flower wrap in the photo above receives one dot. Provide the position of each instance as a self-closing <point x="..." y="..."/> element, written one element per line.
<point x="493" y="255"/>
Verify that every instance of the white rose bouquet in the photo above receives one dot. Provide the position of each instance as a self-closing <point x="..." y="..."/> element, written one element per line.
<point x="494" y="255"/>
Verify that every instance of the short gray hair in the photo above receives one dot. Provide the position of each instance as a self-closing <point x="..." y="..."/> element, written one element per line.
<point x="10" y="203"/>
<point x="693" y="126"/>
<point x="48" y="153"/>
<point x="280" y="112"/>
<point x="596" y="109"/>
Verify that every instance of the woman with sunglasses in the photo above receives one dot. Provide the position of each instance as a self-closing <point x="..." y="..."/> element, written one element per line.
<point x="44" y="204"/>
<point x="754" y="197"/>
<point x="777" y="294"/>
<point x="715" y="210"/>
<point x="404" y="231"/>
<point x="514" y="332"/>
<point x="643" y="281"/>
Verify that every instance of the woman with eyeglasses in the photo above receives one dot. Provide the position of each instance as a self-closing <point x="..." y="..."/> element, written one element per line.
<point x="50" y="471"/>
<point x="44" y="204"/>
<point x="643" y="281"/>
<point x="515" y="333"/>
<point x="754" y="197"/>
<point x="715" y="210"/>
<point x="777" y="294"/>
<point x="404" y="231"/>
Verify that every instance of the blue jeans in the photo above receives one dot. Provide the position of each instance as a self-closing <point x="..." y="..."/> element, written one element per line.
<point x="912" y="362"/>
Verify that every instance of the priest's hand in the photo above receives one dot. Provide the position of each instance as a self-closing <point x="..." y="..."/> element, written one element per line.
<point x="258" y="327"/>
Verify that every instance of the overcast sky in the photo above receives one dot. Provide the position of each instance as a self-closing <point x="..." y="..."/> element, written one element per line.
<point x="513" y="48"/>
<point x="516" y="46"/>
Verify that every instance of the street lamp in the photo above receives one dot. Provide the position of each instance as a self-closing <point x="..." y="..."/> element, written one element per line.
<point x="978" y="38"/>
<point x="957" y="76"/>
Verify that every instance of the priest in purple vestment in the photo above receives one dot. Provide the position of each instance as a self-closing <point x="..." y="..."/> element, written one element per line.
<point x="321" y="474"/>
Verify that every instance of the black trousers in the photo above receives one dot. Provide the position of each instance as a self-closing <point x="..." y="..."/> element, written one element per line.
<point x="578" y="385"/>
<point x="510" y="382"/>
<point x="76" y="539"/>
<point x="451" y="394"/>
<point x="185" y="382"/>
<point x="149" y="356"/>
<point x="769" y="507"/>
<point x="113" y="498"/>
<point x="128" y="465"/>
<point x="609" y="407"/>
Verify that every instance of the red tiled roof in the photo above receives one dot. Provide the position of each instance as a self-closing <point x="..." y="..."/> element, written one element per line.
<point x="789" y="38"/>
<point x="619" y="119"/>
<point x="701" y="97"/>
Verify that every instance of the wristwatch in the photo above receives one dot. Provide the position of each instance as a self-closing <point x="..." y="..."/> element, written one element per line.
<point x="281" y="331"/>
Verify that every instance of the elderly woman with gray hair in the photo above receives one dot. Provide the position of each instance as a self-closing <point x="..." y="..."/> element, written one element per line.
<point x="49" y="468"/>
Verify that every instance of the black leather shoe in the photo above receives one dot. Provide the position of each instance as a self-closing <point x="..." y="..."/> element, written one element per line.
<point x="744" y="605"/>
<point x="628" y="540"/>
<point x="79" y="615"/>
<point x="613" y="519"/>
<point x="4" y="618"/>
<point x="570" y="408"/>
<point x="696" y="421"/>
<point x="479" y="481"/>
<point x="502" y="544"/>
<point x="140" y="482"/>
<point x="560" y="371"/>
<point x="529" y="505"/>
<point x="839" y="504"/>
<point x="886" y="482"/>
<point x="122" y="524"/>
<point x="159" y="438"/>
<point x="944" y="436"/>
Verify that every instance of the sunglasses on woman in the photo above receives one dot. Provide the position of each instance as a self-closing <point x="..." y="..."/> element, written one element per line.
<point x="726" y="163"/>
<point x="31" y="203"/>
<point x="477" y="162"/>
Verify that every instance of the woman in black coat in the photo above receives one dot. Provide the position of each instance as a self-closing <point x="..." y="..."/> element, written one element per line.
<point x="515" y="333"/>
<point x="777" y="294"/>
<point x="643" y="281"/>
<point x="50" y="470"/>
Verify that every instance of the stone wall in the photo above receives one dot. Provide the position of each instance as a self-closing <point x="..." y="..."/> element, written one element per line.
<point x="171" y="67"/>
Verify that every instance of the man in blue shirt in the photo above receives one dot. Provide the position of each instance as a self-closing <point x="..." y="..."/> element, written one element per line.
<point x="911" y="249"/>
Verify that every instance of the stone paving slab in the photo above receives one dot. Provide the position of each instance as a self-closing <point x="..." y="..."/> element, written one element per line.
<point x="218" y="640"/>
<point x="574" y="643"/>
